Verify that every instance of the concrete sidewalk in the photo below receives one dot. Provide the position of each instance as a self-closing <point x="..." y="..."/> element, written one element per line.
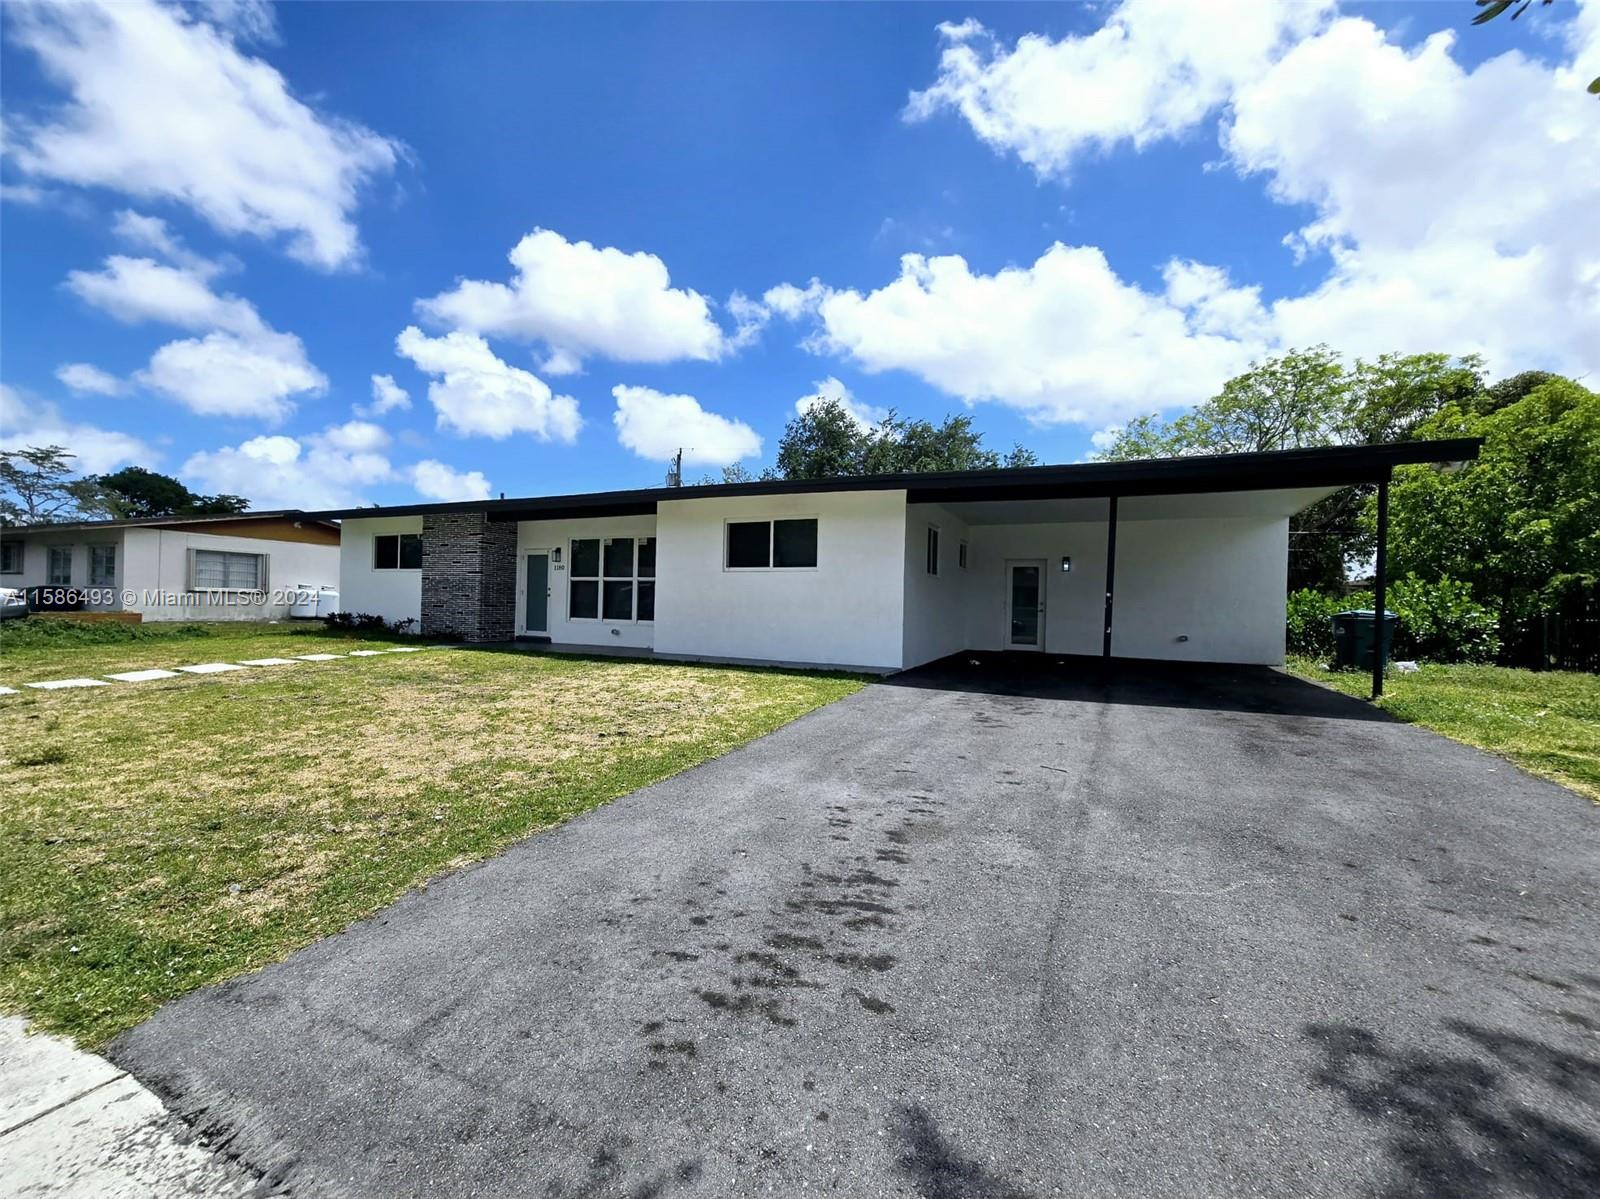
<point x="73" y="1125"/>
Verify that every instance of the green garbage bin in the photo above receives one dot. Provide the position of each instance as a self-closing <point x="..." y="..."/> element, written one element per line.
<point x="1354" y="636"/>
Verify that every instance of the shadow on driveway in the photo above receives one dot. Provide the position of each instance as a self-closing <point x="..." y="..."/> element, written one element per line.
<point x="1201" y="686"/>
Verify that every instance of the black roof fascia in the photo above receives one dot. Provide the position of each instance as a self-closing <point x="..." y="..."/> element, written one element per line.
<point x="1332" y="466"/>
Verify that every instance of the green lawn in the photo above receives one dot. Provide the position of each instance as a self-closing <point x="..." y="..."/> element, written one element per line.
<point x="156" y="837"/>
<point x="1547" y="722"/>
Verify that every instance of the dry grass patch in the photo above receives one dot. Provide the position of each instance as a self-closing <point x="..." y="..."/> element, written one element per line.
<point x="178" y="832"/>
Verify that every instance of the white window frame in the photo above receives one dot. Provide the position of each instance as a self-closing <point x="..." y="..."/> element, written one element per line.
<point x="396" y="566"/>
<point x="600" y="580"/>
<point x="932" y="551"/>
<point x="263" y="561"/>
<point x="19" y="548"/>
<point x="109" y="580"/>
<point x="50" y="566"/>
<point x="771" y="523"/>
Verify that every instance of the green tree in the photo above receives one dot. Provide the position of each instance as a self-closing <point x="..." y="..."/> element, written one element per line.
<point x="826" y="441"/>
<point x="137" y="493"/>
<point x="1510" y="390"/>
<point x="37" y="487"/>
<point x="823" y="442"/>
<point x="1520" y="523"/>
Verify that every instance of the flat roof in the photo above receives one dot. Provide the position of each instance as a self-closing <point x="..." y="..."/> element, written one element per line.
<point x="67" y="526"/>
<point x="1329" y="466"/>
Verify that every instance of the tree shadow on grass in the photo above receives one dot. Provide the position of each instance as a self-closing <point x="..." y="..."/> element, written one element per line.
<point x="1455" y="1130"/>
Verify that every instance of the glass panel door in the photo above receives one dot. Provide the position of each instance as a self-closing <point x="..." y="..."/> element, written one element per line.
<point x="1026" y="608"/>
<point x="536" y="613"/>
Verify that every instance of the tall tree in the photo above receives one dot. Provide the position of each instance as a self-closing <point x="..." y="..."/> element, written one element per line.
<point x="136" y="493"/>
<point x="37" y="487"/>
<point x="826" y="441"/>
<point x="1523" y="520"/>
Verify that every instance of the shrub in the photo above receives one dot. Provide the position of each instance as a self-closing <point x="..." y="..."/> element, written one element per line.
<point x="1439" y="621"/>
<point x="368" y="622"/>
<point x="1309" y="631"/>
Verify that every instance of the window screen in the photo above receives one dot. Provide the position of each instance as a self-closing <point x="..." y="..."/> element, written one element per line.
<point x="102" y="565"/>
<point x="60" y="573"/>
<point x="411" y="551"/>
<point x="794" y="542"/>
<point x="10" y="557"/>
<point x="749" y="544"/>
<point x="220" y="570"/>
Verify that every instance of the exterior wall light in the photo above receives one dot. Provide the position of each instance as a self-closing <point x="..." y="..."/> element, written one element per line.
<point x="555" y="555"/>
<point x="1066" y="564"/>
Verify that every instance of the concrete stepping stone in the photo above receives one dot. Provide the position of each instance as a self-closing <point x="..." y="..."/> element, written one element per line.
<point x="403" y="649"/>
<point x="9" y="691"/>
<point x="142" y="676"/>
<point x="266" y="661"/>
<point x="210" y="668"/>
<point x="367" y="653"/>
<point x="318" y="657"/>
<point x="58" y="684"/>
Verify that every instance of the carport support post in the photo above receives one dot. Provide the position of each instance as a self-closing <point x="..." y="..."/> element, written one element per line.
<point x="1380" y="586"/>
<point x="1111" y="571"/>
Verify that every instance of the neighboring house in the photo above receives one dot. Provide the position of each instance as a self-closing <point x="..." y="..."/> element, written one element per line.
<point x="1177" y="559"/>
<point x="242" y="567"/>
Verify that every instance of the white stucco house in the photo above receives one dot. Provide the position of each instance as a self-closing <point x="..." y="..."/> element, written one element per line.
<point x="1179" y="559"/>
<point x="237" y="567"/>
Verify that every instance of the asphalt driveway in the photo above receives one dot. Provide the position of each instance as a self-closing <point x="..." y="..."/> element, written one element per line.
<point x="976" y="933"/>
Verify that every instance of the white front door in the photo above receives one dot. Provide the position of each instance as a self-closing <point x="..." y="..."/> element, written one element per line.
<point x="1025" y="604"/>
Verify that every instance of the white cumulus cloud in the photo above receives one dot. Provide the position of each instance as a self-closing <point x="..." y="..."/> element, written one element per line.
<point x="436" y="481"/>
<point x="579" y="300"/>
<point x="1155" y="69"/>
<point x="656" y="426"/>
<point x="475" y="393"/>
<point x="241" y="366"/>
<point x="322" y="470"/>
<point x="25" y="421"/>
<point x="87" y="379"/>
<point x="224" y="374"/>
<point x="162" y="104"/>
<point x="387" y="396"/>
<point x="1063" y="339"/>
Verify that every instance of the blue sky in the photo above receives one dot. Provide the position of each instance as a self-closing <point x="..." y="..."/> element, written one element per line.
<point x="1099" y="198"/>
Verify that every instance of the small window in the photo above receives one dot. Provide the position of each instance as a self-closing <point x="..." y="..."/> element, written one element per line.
<point x="780" y="544"/>
<point x="397" y="551"/>
<point x="794" y="543"/>
<point x="961" y="555"/>
<point x="60" y="566"/>
<point x="222" y="570"/>
<point x="102" y="565"/>
<point x="10" y="557"/>
<point x="933" y="550"/>
<point x="749" y="544"/>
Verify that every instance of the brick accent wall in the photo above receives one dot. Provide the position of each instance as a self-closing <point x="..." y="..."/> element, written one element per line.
<point x="469" y="576"/>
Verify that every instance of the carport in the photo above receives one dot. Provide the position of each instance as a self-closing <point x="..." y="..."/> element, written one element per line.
<point x="1174" y="559"/>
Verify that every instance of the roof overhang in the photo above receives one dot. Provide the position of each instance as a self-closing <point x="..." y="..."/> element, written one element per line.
<point x="1328" y="468"/>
